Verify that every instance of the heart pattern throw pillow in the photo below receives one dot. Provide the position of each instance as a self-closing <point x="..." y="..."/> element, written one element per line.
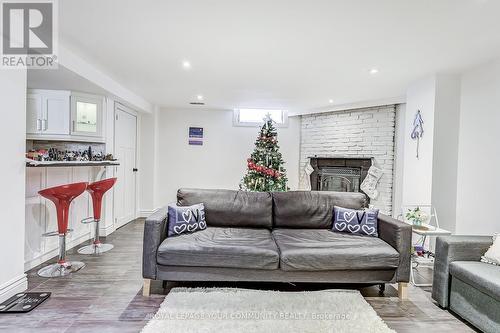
<point x="184" y="219"/>
<point x="492" y="256"/>
<point x="361" y="222"/>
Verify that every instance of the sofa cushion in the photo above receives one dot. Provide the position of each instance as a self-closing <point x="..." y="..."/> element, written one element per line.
<point x="227" y="208"/>
<point x="221" y="247"/>
<point x="323" y="250"/>
<point x="355" y="221"/>
<point x="312" y="209"/>
<point x="480" y="275"/>
<point x="182" y="220"/>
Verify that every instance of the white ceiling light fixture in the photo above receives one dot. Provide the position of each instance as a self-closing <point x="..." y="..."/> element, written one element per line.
<point x="186" y="64"/>
<point x="373" y="71"/>
<point x="330" y="101"/>
<point x="199" y="97"/>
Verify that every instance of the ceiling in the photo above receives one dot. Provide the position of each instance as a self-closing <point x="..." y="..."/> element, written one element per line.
<point x="62" y="79"/>
<point x="65" y="79"/>
<point x="295" y="55"/>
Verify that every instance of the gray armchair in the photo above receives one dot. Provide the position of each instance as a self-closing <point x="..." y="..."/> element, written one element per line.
<point x="464" y="284"/>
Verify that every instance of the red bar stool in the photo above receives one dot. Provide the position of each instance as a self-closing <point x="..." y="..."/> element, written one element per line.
<point x="97" y="190"/>
<point x="62" y="196"/>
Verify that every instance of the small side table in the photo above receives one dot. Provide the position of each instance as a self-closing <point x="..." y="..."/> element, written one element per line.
<point x="428" y="257"/>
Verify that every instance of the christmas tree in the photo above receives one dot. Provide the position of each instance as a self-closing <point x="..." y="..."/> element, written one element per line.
<point x="265" y="166"/>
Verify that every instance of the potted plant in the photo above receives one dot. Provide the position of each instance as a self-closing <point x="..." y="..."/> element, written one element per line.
<point x="417" y="217"/>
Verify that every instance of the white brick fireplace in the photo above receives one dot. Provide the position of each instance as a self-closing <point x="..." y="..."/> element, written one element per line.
<point x="360" y="133"/>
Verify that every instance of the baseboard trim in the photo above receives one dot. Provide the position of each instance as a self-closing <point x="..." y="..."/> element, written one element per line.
<point x="146" y="212"/>
<point x="13" y="286"/>
<point x="107" y="230"/>
<point x="52" y="253"/>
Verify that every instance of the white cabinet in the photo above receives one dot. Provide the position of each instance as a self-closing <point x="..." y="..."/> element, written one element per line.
<point x="64" y="115"/>
<point x="34" y="214"/>
<point x="47" y="112"/>
<point x="33" y="114"/>
<point x="55" y="118"/>
<point x="86" y="115"/>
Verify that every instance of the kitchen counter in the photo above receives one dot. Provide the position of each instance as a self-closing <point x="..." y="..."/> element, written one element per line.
<point x="33" y="163"/>
<point x="40" y="213"/>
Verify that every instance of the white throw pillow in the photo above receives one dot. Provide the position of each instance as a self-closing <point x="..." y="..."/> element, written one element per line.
<point x="492" y="256"/>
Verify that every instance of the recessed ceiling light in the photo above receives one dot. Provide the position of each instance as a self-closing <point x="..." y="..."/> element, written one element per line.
<point x="330" y="101"/>
<point x="199" y="97"/>
<point x="373" y="71"/>
<point x="186" y="64"/>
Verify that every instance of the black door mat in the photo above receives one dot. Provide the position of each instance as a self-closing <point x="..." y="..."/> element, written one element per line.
<point x="23" y="302"/>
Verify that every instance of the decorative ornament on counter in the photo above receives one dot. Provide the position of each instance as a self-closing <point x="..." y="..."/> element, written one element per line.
<point x="265" y="166"/>
<point x="418" y="129"/>
<point x="53" y="154"/>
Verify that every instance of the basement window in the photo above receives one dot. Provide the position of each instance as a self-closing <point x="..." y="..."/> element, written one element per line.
<point x="255" y="117"/>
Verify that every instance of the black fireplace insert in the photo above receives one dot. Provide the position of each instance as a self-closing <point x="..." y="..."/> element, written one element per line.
<point x="341" y="174"/>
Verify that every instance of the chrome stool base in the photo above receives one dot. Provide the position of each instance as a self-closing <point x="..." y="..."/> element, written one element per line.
<point x="58" y="270"/>
<point x="95" y="248"/>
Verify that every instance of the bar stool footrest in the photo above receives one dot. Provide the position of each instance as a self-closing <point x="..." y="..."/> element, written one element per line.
<point x="55" y="233"/>
<point x="88" y="220"/>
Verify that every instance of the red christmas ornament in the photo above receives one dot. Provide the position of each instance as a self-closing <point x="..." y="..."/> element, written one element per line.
<point x="262" y="169"/>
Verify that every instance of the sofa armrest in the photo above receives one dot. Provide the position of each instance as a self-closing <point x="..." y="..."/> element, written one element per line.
<point x="454" y="248"/>
<point x="397" y="234"/>
<point x="155" y="231"/>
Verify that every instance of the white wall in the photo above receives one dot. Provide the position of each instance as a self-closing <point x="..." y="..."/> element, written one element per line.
<point x="461" y="119"/>
<point x="399" y="158"/>
<point x="147" y="158"/>
<point x="366" y="133"/>
<point x="12" y="178"/>
<point x="479" y="151"/>
<point x="445" y="149"/>
<point x="221" y="161"/>
<point x="431" y="179"/>
<point x="417" y="173"/>
<point x="107" y="224"/>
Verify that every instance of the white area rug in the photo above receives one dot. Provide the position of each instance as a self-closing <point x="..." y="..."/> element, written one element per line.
<point x="241" y="310"/>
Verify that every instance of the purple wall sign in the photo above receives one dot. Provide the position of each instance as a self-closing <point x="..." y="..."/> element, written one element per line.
<point x="196" y="136"/>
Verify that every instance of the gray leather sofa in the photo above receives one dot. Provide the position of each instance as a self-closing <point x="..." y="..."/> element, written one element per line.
<point x="465" y="285"/>
<point x="279" y="236"/>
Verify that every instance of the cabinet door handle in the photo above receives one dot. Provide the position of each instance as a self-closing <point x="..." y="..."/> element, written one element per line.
<point x="73" y="125"/>
<point x="46" y="123"/>
<point x="39" y="124"/>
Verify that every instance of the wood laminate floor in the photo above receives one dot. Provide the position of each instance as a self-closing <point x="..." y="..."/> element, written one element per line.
<point x="106" y="296"/>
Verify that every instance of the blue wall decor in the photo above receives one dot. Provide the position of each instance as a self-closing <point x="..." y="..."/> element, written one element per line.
<point x="195" y="136"/>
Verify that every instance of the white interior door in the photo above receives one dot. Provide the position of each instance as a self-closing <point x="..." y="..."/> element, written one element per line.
<point x="126" y="153"/>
